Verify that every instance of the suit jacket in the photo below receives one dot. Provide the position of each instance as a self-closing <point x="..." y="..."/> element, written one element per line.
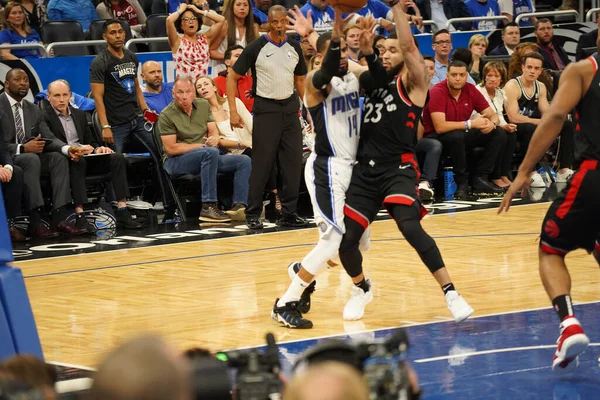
<point x="586" y="40"/>
<point x="83" y="130"/>
<point x="5" y="158"/>
<point x="499" y="51"/>
<point x="549" y="60"/>
<point x="33" y="124"/>
<point x="452" y="9"/>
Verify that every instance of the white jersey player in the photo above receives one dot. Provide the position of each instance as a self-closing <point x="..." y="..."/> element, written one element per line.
<point x="332" y="99"/>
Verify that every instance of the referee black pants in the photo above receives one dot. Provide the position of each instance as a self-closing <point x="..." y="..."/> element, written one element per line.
<point x="276" y="137"/>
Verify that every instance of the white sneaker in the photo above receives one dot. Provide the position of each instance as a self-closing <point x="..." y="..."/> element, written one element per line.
<point x="537" y="181"/>
<point x="459" y="308"/>
<point x="565" y="176"/>
<point x="355" y="308"/>
<point x="425" y="190"/>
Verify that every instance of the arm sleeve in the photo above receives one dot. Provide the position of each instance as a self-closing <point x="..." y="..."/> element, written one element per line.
<point x="97" y="71"/>
<point x="4" y="36"/>
<point x="329" y="68"/>
<point x="247" y="58"/>
<point x="376" y="77"/>
<point x="301" y="66"/>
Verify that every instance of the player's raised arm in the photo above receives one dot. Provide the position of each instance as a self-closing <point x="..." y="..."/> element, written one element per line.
<point x="376" y="77"/>
<point x="417" y="71"/>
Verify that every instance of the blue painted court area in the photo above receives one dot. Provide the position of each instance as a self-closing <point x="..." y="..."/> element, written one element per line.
<point x="504" y="356"/>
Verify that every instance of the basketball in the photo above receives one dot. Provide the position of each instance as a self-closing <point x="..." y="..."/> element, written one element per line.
<point x="348" y="6"/>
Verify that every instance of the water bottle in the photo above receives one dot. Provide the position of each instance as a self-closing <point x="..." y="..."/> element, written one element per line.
<point x="449" y="184"/>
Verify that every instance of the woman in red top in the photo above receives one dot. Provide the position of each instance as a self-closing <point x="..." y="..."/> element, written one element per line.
<point x="127" y="10"/>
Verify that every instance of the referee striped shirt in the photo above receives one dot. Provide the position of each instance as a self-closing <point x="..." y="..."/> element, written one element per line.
<point x="273" y="66"/>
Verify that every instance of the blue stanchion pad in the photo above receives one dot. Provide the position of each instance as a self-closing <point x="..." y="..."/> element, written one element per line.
<point x="17" y="310"/>
<point x="6" y="254"/>
<point x="7" y="348"/>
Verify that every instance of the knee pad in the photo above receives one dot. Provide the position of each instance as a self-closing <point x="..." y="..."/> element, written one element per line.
<point x="325" y="249"/>
<point x="351" y="239"/>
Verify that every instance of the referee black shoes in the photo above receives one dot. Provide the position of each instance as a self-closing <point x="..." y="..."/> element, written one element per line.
<point x="254" y="223"/>
<point x="292" y="220"/>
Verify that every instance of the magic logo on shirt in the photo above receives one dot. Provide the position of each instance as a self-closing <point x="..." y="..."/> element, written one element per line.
<point x="125" y="74"/>
<point x="344" y="103"/>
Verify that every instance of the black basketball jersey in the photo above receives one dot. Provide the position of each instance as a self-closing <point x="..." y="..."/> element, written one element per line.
<point x="389" y="124"/>
<point x="528" y="105"/>
<point x="587" y="129"/>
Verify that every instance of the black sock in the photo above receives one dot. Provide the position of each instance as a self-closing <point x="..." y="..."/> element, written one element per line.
<point x="363" y="285"/>
<point x="563" y="306"/>
<point x="296" y="267"/>
<point x="448" y="287"/>
<point x="34" y="217"/>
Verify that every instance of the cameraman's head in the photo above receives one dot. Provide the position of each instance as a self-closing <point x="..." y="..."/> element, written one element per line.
<point x="328" y="380"/>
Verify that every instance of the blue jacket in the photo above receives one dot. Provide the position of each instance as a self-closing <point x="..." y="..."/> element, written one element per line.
<point x="82" y="11"/>
<point x="77" y="101"/>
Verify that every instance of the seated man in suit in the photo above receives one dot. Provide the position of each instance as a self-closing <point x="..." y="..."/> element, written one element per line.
<point x="69" y="125"/>
<point x="11" y="181"/>
<point x="587" y="40"/>
<point x="37" y="151"/>
<point x="511" y="37"/>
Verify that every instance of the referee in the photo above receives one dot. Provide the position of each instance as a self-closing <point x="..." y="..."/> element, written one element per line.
<point x="277" y="67"/>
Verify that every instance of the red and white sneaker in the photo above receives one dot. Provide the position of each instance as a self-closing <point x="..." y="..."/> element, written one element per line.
<point x="571" y="343"/>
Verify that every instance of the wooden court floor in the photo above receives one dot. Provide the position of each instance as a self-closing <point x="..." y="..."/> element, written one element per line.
<point x="218" y="294"/>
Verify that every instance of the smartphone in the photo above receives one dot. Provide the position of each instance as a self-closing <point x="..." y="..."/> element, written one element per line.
<point x="150" y="116"/>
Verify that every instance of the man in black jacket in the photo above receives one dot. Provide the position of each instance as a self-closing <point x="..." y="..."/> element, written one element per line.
<point x="451" y="9"/>
<point x="69" y="125"/>
<point x="555" y="58"/>
<point x="11" y="179"/>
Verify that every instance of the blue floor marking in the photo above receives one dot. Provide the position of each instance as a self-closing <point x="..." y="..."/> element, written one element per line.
<point x="517" y="374"/>
<point x="256" y="250"/>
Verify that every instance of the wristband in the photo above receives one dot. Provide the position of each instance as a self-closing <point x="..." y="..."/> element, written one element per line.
<point x="205" y="13"/>
<point x="106" y="127"/>
<point x="469" y="123"/>
<point x="9" y="167"/>
<point x="239" y="145"/>
<point x="466" y="125"/>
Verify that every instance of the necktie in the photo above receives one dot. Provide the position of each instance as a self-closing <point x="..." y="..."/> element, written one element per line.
<point x="19" y="125"/>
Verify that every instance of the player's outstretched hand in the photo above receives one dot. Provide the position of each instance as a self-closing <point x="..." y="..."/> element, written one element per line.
<point x="519" y="185"/>
<point x="366" y="35"/>
<point x="298" y="22"/>
<point x="339" y="24"/>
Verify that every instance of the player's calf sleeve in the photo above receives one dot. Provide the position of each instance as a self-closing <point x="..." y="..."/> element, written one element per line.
<point x="407" y="219"/>
<point x="349" y="252"/>
<point x="326" y="248"/>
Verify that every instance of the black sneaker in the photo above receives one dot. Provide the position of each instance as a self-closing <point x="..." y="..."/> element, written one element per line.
<point x="289" y="316"/>
<point x="254" y="223"/>
<point x="292" y="220"/>
<point x="211" y="213"/>
<point x="81" y="222"/>
<point x="124" y="220"/>
<point x="304" y="302"/>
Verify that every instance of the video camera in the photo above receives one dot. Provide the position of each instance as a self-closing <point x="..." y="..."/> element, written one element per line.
<point x="382" y="362"/>
<point x="257" y="372"/>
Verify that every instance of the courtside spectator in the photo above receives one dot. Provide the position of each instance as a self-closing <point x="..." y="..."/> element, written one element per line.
<point x="70" y="125"/>
<point x="321" y="13"/>
<point x="36" y="150"/>
<point x="307" y="50"/>
<point x="447" y="118"/>
<point x="527" y="101"/>
<point x="30" y="370"/>
<point x="17" y="31"/>
<point x="430" y="64"/>
<point x="238" y="28"/>
<point x="82" y="11"/>
<point x="331" y="380"/>
<point x="11" y="180"/>
<point x="587" y="40"/>
<point x="494" y="78"/>
<point x="190" y="140"/>
<point x="158" y="94"/>
<point x="191" y="52"/>
<point x="442" y="10"/>
<point x="244" y="84"/>
<point x="128" y="10"/>
<point x="35" y="11"/>
<point x="118" y="96"/>
<point x="260" y="11"/>
<point x="513" y="8"/>
<point x="352" y="34"/>
<point x="511" y="37"/>
<point x="555" y="58"/>
<point x="478" y="45"/>
<point x="142" y="368"/>
<point x="483" y="8"/>
<point x="442" y="47"/>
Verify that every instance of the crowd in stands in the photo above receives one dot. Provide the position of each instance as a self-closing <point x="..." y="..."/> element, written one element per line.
<point x="202" y="132"/>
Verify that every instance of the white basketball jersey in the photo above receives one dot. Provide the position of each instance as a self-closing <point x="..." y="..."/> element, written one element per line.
<point x="336" y="121"/>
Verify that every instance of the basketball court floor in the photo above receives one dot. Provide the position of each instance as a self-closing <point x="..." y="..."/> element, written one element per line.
<point x="214" y="287"/>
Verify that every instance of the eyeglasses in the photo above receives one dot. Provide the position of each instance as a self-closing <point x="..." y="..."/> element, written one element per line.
<point x="443" y="42"/>
<point x="189" y="19"/>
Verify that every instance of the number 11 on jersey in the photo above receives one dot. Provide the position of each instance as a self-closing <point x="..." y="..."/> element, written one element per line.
<point x="352" y="130"/>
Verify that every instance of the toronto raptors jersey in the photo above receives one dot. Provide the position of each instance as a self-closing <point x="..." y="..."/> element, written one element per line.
<point x="336" y="120"/>
<point x="390" y="122"/>
<point x="587" y="130"/>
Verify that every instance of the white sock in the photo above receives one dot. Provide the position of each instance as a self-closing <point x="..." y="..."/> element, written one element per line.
<point x="294" y="291"/>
